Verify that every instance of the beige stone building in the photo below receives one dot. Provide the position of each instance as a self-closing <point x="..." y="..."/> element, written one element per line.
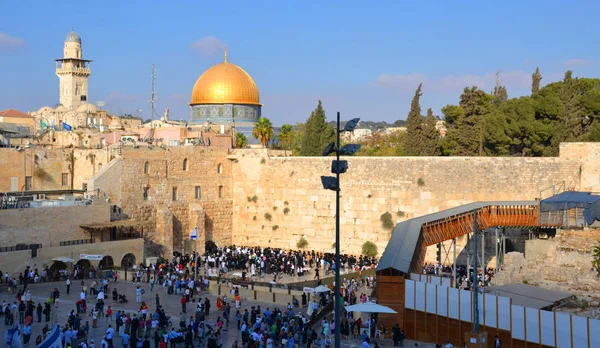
<point x="74" y="108"/>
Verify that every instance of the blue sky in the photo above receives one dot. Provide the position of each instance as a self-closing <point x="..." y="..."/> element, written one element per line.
<point x="364" y="59"/>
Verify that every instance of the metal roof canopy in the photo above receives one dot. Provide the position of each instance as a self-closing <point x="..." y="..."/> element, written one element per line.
<point x="401" y="248"/>
<point x="528" y="295"/>
<point x="570" y="200"/>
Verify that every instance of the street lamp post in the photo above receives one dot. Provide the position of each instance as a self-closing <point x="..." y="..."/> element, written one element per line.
<point x="333" y="183"/>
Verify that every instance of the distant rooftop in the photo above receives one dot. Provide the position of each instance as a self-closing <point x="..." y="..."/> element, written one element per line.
<point x="14" y="113"/>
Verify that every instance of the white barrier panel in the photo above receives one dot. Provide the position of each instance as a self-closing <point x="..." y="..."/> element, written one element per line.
<point x="532" y="324"/>
<point x="442" y="307"/>
<point x="580" y="332"/>
<point x="490" y="311"/>
<point x="453" y="304"/>
<point x="431" y="298"/>
<point x="504" y="313"/>
<point x="415" y="276"/>
<point x="594" y="333"/>
<point x="447" y="282"/>
<point x="420" y="297"/>
<point x="481" y="309"/>
<point x="465" y="305"/>
<point x="518" y="322"/>
<point x="547" y="324"/>
<point x="563" y="330"/>
<point x="409" y="294"/>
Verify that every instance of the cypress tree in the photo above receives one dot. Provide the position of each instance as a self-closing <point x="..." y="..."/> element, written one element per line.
<point x="431" y="136"/>
<point x="414" y="133"/>
<point x="536" y="78"/>
<point x="317" y="133"/>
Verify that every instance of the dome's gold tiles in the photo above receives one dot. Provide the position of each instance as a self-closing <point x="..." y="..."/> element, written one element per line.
<point x="225" y="83"/>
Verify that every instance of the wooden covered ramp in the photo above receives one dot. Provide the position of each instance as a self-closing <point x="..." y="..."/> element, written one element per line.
<point x="405" y="252"/>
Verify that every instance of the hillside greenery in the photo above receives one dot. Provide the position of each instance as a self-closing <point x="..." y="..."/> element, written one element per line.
<point x="479" y="124"/>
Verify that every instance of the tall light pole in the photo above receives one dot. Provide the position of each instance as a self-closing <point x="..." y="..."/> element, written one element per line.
<point x="333" y="183"/>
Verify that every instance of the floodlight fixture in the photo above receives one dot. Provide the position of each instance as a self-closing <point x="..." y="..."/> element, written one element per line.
<point x="350" y="125"/>
<point x="349" y="149"/>
<point x="339" y="167"/>
<point x="329" y="149"/>
<point x="330" y="183"/>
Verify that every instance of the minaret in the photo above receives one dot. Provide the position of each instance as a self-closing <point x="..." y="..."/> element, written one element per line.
<point x="73" y="73"/>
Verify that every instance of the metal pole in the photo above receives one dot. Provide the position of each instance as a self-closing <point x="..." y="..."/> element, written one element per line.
<point x="497" y="247"/>
<point x="475" y="283"/>
<point x="454" y="263"/>
<point x="338" y="321"/>
<point x="196" y="259"/>
<point x="483" y="263"/>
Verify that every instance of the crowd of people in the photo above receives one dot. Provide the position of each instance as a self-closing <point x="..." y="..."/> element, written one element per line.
<point x="463" y="280"/>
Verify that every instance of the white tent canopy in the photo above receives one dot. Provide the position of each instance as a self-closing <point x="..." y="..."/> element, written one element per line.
<point x="63" y="259"/>
<point x="322" y="288"/>
<point x="370" y="307"/>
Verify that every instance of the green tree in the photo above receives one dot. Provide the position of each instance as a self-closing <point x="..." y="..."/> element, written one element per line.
<point x="263" y="131"/>
<point x="430" y="136"/>
<point x="381" y="144"/>
<point x="240" y="141"/>
<point x="369" y="249"/>
<point x="470" y="134"/>
<point x="596" y="257"/>
<point x="317" y="133"/>
<point x="286" y="137"/>
<point x="414" y="134"/>
<point x="500" y="95"/>
<point x="536" y="79"/>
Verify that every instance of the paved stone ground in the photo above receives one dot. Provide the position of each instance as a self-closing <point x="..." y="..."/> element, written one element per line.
<point x="40" y="293"/>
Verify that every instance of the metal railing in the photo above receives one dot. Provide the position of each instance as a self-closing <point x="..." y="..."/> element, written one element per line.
<point x="20" y="247"/>
<point x="76" y="242"/>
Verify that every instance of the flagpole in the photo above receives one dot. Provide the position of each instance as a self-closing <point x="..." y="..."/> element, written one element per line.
<point x="195" y="237"/>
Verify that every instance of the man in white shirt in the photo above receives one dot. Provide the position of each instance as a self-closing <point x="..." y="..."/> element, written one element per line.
<point x="82" y="296"/>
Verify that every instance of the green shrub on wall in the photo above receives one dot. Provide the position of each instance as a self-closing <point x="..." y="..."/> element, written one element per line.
<point x="369" y="249"/>
<point x="386" y="221"/>
<point x="286" y="210"/>
<point x="302" y="243"/>
<point x="268" y="216"/>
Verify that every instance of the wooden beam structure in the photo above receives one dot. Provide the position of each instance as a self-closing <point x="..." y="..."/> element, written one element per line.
<point x="438" y="231"/>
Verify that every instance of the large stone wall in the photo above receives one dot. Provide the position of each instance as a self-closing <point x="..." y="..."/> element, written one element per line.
<point x="371" y="187"/>
<point x="49" y="225"/>
<point x="165" y="171"/>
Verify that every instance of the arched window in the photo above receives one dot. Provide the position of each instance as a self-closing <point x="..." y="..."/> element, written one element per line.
<point x="220" y="168"/>
<point x="185" y="164"/>
<point x="146" y="167"/>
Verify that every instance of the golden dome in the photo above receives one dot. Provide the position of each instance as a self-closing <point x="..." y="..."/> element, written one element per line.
<point x="225" y="83"/>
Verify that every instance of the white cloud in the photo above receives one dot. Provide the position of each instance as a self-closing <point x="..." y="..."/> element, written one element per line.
<point x="578" y="62"/>
<point x="10" y="43"/>
<point x="209" y="46"/>
<point x="451" y="83"/>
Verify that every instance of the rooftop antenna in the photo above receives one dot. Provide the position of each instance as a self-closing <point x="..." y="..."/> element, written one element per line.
<point x="152" y="93"/>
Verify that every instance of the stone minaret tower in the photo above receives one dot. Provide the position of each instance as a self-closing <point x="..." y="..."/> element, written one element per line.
<point x="73" y="72"/>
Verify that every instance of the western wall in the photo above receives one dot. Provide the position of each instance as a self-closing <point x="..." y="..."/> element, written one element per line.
<point x="406" y="187"/>
<point x="261" y="197"/>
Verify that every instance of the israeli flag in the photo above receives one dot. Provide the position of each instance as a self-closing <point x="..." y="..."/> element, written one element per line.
<point x="194" y="233"/>
<point x="52" y="340"/>
<point x="67" y="127"/>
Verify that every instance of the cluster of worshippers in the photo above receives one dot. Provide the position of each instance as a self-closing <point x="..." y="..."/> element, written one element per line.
<point x="463" y="279"/>
<point x="278" y="262"/>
